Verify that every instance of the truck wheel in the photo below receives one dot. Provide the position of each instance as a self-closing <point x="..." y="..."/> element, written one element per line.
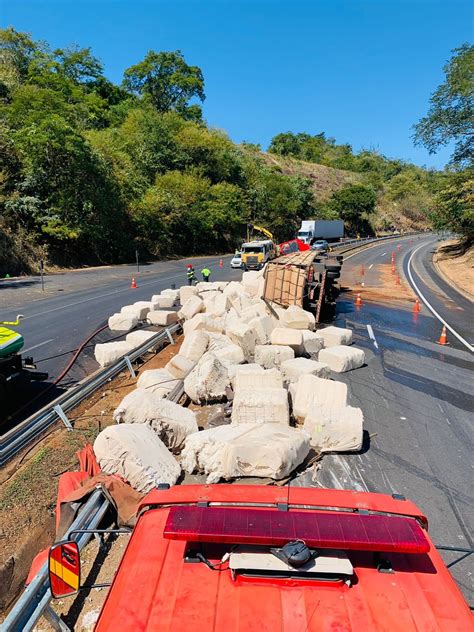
<point x="333" y="275"/>
<point x="333" y="267"/>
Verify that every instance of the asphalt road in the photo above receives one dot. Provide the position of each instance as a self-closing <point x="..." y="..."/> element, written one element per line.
<point x="416" y="397"/>
<point x="75" y="304"/>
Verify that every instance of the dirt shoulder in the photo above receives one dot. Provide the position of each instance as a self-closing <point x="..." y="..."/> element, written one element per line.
<point x="457" y="266"/>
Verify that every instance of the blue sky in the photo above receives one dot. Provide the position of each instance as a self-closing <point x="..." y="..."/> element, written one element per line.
<point x="360" y="70"/>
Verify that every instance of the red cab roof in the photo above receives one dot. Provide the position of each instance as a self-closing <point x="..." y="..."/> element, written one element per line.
<point x="155" y="589"/>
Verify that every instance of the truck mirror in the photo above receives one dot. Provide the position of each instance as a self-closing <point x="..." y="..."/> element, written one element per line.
<point x="64" y="569"/>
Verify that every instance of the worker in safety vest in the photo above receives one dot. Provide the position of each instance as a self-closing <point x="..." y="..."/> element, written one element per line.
<point x="190" y="274"/>
<point x="206" y="273"/>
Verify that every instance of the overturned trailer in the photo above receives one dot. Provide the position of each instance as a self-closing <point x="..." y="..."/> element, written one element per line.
<point x="306" y="279"/>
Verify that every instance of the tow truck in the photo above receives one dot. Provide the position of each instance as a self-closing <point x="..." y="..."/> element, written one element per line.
<point x="13" y="367"/>
<point x="253" y="558"/>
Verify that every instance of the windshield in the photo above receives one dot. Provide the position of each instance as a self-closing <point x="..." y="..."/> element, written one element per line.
<point x="253" y="249"/>
<point x="303" y="233"/>
<point x="239" y="256"/>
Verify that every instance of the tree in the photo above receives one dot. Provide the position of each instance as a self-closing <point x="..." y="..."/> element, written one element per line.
<point x="353" y="203"/>
<point x="167" y="81"/>
<point x="451" y="114"/>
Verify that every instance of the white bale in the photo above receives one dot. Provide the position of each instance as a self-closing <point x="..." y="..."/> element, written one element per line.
<point x="251" y="282"/>
<point x="341" y="358"/>
<point x="287" y="337"/>
<point x="207" y="381"/>
<point x="157" y="381"/>
<point x="133" y="311"/>
<point x="335" y="336"/>
<point x="260" y="406"/>
<point x="185" y="292"/>
<point x="209" y="296"/>
<point x="172" y="422"/>
<point x="179" y="366"/>
<point x="258" y="379"/>
<point x="336" y="429"/>
<point x="263" y="327"/>
<point x="312" y="391"/>
<point x="241" y="302"/>
<point x="195" y="345"/>
<point x="122" y="322"/>
<point x="254" y="311"/>
<point x="209" y="286"/>
<point x="203" y="322"/>
<point x="261" y="288"/>
<point x="137" y="338"/>
<point x="234" y="288"/>
<point x="218" y="306"/>
<point x="235" y="369"/>
<point x="312" y="343"/>
<point x="230" y="318"/>
<point x="162" y="302"/>
<point x="162" y="317"/>
<point x="292" y="370"/>
<point x="218" y="341"/>
<point x="136" y="453"/>
<point x="174" y="294"/>
<point x="108" y="352"/>
<point x="145" y="306"/>
<point x="194" y="305"/>
<point x="226" y="452"/>
<point x="296" y="317"/>
<point x="231" y="354"/>
<point x="271" y="356"/>
<point x="244" y="336"/>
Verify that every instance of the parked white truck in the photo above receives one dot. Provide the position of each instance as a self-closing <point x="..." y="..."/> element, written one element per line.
<point x="313" y="229"/>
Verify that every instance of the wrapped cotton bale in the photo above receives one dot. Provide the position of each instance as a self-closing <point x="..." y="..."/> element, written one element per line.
<point x="174" y="294"/>
<point x="230" y="318"/>
<point x="234" y="288"/>
<point x="258" y="379"/>
<point x="261" y="288"/>
<point x="218" y="341"/>
<point x="157" y="381"/>
<point x="122" y="322"/>
<point x="138" y="338"/>
<point x="208" y="380"/>
<point x="287" y="337"/>
<point x="241" y="302"/>
<point x="203" y="322"/>
<point x="335" y="336"/>
<point x="251" y="283"/>
<point x="162" y="302"/>
<point x="263" y="327"/>
<point x="143" y="305"/>
<point x="260" y="406"/>
<point x="194" y="305"/>
<point x="295" y="317"/>
<point x="312" y="343"/>
<point x="109" y="352"/>
<point x="341" y="359"/>
<point x="226" y="452"/>
<point x="179" y="366"/>
<point x="195" y="345"/>
<point x="271" y="356"/>
<point x="235" y="369"/>
<point x="244" y="336"/>
<point x="185" y="292"/>
<point x="140" y="313"/>
<point x="335" y="429"/>
<point x="162" y="317"/>
<point x="172" y="422"/>
<point x="218" y="306"/>
<point x="209" y="286"/>
<point x="231" y="354"/>
<point x="292" y="370"/>
<point x="136" y="453"/>
<point x="254" y="311"/>
<point x="312" y="391"/>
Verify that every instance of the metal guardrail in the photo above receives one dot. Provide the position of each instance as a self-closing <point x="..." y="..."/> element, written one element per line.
<point x="34" y="601"/>
<point x="32" y="427"/>
<point x="354" y="243"/>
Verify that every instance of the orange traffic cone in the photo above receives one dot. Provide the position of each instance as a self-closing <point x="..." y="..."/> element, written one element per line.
<point x="134" y="284"/>
<point x="393" y="268"/>
<point x="358" y="301"/>
<point x="416" y="309"/>
<point x="221" y="264"/>
<point x="443" y="339"/>
<point x="397" y="282"/>
<point x="393" y="256"/>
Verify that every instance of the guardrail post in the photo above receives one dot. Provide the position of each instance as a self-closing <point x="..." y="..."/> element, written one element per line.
<point x="170" y="337"/>
<point x="130" y="367"/>
<point x="54" y="620"/>
<point x="62" y="415"/>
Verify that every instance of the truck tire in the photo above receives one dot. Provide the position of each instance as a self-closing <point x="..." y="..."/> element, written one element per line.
<point x="333" y="267"/>
<point x="333" y="275"/>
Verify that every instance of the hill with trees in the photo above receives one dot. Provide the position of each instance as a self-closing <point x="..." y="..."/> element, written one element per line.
<point x="90" y="171"/>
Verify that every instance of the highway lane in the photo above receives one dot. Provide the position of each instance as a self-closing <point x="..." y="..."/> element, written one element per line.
<point x="75" y="304"/>
<point x="416" y="397"/>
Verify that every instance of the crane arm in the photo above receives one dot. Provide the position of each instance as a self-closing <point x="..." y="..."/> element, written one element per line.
<point x="263" y="230"/>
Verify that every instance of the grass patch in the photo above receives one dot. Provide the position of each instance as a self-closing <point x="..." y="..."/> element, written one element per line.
<point x="20" y="489"/>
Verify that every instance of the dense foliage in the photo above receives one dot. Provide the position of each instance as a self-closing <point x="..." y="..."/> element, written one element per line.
<point x="450" y="119"/>
<point x="90" y="171"/>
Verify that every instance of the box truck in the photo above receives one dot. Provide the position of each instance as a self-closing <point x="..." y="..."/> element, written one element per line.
<point x="331" y="230"/>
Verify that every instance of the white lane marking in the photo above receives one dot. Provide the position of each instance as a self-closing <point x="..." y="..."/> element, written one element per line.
<point x="369" y="247"/>
<point x="371" y="266"/>
<point x="383" y="254"/>
<point x="372" y="336"/>
<point x="38" y="345"/>
<point x="430" y="307"/>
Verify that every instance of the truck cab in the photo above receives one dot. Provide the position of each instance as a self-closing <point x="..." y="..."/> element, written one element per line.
<point x="255" y="254"/>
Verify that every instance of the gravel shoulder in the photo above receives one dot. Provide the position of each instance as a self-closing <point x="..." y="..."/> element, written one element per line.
<point x="455" y="267"/>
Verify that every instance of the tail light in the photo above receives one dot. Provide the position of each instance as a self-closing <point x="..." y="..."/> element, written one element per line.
<point x="358" y="532"/>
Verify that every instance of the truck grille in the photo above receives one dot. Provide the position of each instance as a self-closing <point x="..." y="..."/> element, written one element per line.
<point x="252" y="260"/>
